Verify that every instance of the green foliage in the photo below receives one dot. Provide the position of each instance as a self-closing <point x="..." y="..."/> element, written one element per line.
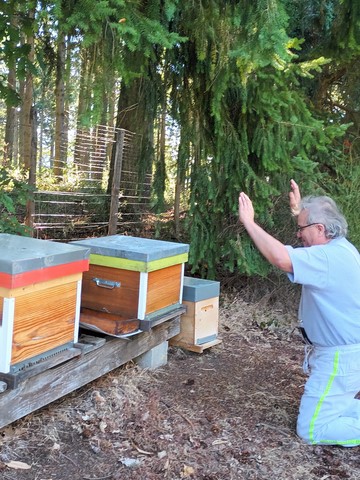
<point x="13" y="193"/>
<point x="71" y="181"/>
<point x="248" y="123"/>
<point x="259" y="91"/>
<point x="342" y="182"/>
<point x="136" y="25"/>
<point x="330" y="26"/>
<point x="14" y="22"/>
<point x="9" y="95"/>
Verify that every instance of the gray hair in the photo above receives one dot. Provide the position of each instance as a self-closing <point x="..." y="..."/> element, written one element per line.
<point x="325" y="211"/>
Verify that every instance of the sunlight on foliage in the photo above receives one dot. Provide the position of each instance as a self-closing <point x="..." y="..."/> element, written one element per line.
<point x="14" y="193"/>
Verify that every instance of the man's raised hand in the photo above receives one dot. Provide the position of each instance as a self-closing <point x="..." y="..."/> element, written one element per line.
<point x="294" y="198"/>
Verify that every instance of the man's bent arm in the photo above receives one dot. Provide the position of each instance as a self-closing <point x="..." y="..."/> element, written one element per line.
<point x="273" y="250"/>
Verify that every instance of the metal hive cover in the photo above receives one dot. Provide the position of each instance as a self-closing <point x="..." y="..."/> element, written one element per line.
<point x="23" y="254"/>
<point x="133" y="248"/>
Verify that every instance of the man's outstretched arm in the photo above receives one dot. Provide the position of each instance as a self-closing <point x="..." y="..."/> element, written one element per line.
<point x="273" y="250"/>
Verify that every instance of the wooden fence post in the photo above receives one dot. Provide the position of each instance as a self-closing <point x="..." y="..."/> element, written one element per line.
<point x="30" y="204"/>
<point x="115" y="185"/>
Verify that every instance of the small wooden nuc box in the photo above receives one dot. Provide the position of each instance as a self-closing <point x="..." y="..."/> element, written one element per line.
<point x="130" y="282"/>
<point x="200" y="325"/>
<point x="40" y="290"/>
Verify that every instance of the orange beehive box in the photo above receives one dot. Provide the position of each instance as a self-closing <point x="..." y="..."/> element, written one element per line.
<point x="130" y="281"/>
<point x="40" y="291"/>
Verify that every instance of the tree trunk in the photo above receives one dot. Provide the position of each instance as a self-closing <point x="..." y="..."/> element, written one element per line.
<point x="111" y="118"/>
<point x="136" y="113"/>
<point x="41" y="127"/>
<point x="26" y="115"/>
<point x="116" y="181"/>
<point x="10" y="123"/>
<point x="30" y="205"/>
<point x="60" y="153"/>
<point x="10" y="126"/>
<point x="100" y="147"/>
<point x="67" y="95"/>
<point x="81" y="152"/>
<point x="160" y="171"/>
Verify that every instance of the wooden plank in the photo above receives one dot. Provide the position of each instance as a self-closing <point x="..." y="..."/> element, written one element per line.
<point x="195" y="348"/>
<point x="14" y="379"/>
<point x="108" y="322"/>
<point x="147" y="324"/>
<point x="116" y="180"/>
<point x="143" y="288"/>
<point x="43" y="320"/>
<point x="6" y="333"/>
<point x="38" y="391"/>
<point x="85" y="344"/>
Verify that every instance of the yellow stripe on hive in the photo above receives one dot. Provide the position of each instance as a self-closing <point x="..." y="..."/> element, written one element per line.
<point x="136" y="265"/>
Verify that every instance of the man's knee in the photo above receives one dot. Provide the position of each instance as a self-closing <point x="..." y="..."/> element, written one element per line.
<point x="303" y="431"/>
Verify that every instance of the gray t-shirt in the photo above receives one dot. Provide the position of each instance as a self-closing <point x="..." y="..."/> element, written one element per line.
<point x="330" y="301"/>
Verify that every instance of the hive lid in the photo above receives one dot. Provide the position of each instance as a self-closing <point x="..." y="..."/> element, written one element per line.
<point x="133" y="248"/>
<point x="23" y="254"/>
<point x="197" y="289"/>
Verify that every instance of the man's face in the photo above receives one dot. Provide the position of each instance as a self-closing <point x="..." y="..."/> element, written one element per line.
<point x="312" y="234"/>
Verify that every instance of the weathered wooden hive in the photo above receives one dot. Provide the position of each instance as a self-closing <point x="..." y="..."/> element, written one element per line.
<point x="40" y="289"/>
<point x="131" y="282"/>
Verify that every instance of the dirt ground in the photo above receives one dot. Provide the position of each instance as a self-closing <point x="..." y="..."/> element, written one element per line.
<point x="228" y="413"/>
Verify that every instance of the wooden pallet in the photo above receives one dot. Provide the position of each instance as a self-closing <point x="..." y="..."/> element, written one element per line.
<point x="88" y="360"/>
<point x="193" y="347"/>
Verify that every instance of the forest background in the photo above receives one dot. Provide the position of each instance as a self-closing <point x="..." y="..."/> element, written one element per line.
<point x="225" y="95"/>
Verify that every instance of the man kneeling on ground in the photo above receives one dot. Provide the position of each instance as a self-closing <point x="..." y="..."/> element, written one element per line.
<point x="328" y="268"/>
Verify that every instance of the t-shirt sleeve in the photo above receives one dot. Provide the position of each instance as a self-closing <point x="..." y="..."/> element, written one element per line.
<point x="310" y="266"/>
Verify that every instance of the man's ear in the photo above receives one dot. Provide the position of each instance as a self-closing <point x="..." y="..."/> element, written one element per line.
<point x="321" y="228"/>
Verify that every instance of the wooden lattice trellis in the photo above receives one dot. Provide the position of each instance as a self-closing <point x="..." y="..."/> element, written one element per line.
<point x="88" y="210"/>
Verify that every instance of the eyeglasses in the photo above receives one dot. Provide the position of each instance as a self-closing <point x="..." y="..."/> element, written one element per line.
<point x="300" y="229"/>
